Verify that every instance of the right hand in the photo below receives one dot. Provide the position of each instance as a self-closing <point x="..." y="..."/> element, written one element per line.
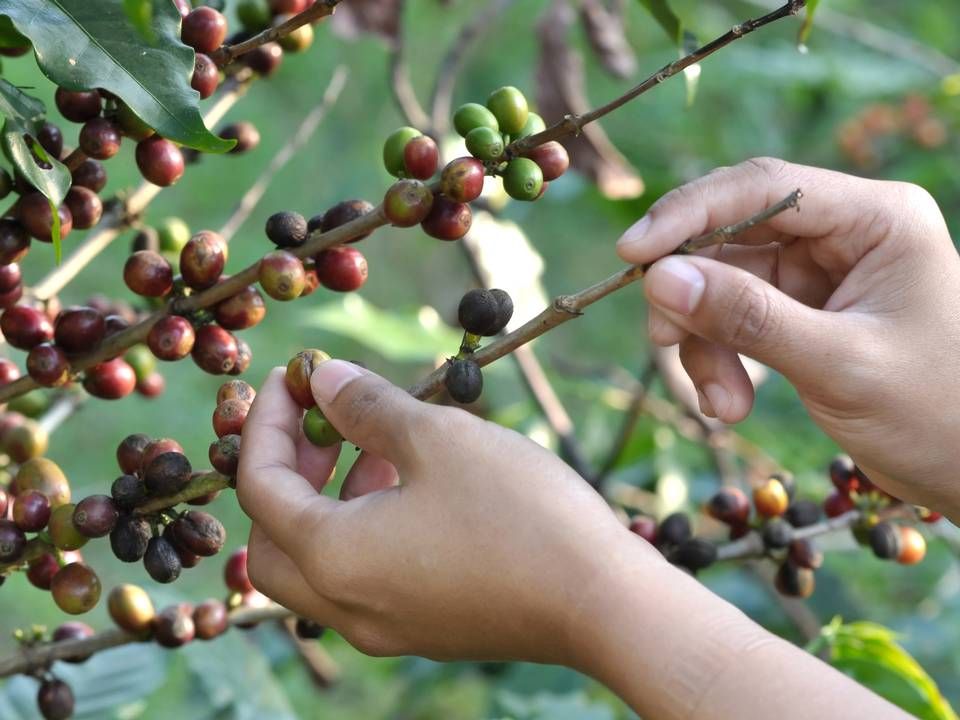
<point x="855" y="299"/>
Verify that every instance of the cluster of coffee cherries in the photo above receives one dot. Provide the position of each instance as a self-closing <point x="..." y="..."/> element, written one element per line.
<point x="444" y="211"/>
<point x="482" y="313"/>
<point x="316" y="428"/>
<point x="233" y="403"/>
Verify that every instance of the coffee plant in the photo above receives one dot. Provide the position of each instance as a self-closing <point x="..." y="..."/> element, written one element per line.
<point x="160" y="75"/>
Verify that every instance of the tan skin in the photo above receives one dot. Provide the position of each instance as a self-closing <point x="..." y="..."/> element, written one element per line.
<point x="455" y="538"/>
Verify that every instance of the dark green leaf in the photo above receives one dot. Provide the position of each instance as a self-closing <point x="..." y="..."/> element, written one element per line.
<point x="140" y="13"/>
<point x="84" y="44"/>
<point x="9" y="37"/>
<point x="807" y="22"/>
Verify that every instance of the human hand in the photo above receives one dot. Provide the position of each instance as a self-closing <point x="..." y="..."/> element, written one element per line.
<point x="854" y="299"/>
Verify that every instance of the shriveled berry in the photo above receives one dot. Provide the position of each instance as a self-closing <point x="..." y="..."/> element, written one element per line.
<point x="160" y="161"/>
<point x="79" y="329"/>
<point x="803" y="513"/>
<point x="204" y="29"/>
<point x="167" y="474"/>
<point x="464" y="381"/>
<point x="282" y="275"/>
<point x="200" y="533"/>
<point x="246" y="135"/>
<point x="211" y="619"/>
<point x="128" y="491"/>
<point x="523" y="179"/>
<point x="187" y="558"/>
<point x="130" y="608"/>
<point x="75" y="589"/>
<point x="173" y="627"/>
<point x="694" y="554"/>
<point x="448" y="220"/>
<point x="148" y="274"/>
<point x="130" y="450"/>
<point x="421" y="156"/>
<point x="48" y="365"/>
<point x="552" y="159"/>
<point x="462" y="179"/>
<point x="286" y="229"/>
<point x="794" y="581"/>
<point x="308" y="629"/>
<point x="14" y="241"/>
<point x="473" y="115"/>
<point x="241" y="311"/>
<point x="130" y="537"/>
<point x="215" y="350"/>
<point x="78" y="105"/>
<point x="229" y="416"/>
<point x="206" y="75"/>
<point x="156" y="449"/>
<point x="12" y="541"/>
<point x="510" y="108"/>
<point x="485" y="144"/>
<point x="913" y="547"/>
<point x="674" y="529"/>
<point x="236" y="390"/>
<point x="73" y="630"/>
<point x="86" y="207"/>
<point x="804" y="554"/>
<point x="35" y="215"/>
<point x="504" y="309"/>
<point x="202" y="260"/>
<point x="171" y="338"/>
<point x="837" y="504"/>
<point x="235" y="572"/>
<point x="394" y="148"/>
<point x="110" y="380"/>
<point x="25" y="327"/>
<point x="407" y="203"/>
<point x="161" y="560"/>
<point x="100" y="138"/>
<point x="343" y="269"/>
<point x="484" y="312"/>
<point x="95" y="516"/>
<point x="777" y="534"/>
<point x="50" y="138"/>
<point x="771" y="499"/>
<point x="55" y="699"/>
<point x="644" y="526"/>
<point x="318" y="430"/>
<point x="63" y="532"/>
<point x="299" y="371"/>
<point x="90" y="174"/>
<point x="41" y="570"/>
<point x="224" y="454"/>
<point x="31" y="511"/>
<point x="265" y="59"/>
<point x="44" y="475"/>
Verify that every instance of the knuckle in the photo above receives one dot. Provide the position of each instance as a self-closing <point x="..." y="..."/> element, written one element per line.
<point x="751" y="317"/>
<point x="368" y="639"/>
<point x="771" y="168"/>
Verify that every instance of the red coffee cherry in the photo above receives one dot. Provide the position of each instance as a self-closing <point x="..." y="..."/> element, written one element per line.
<point x="552" y="158"/>
<point x="171" y="338"/>
<point x="206" y="76"/>
<point x="202" y="260"/>
<point x="343" y="269"/>
<point x="407" y="203"/>
<point x="282" y="275"/>
<point x="152" y="385"/>
<point x="729" y="505"/>
<point x="55" y="699"/>
<point x="31" y="511"/>
<point x="224" y="454"/>
<point x="86" y="207"/>
<point x="265" y="59"/>
<point x="246" y="135"/>
<point x="79" y="329"/>
<point x="215" y="350"/>
<point x="299" y="371"/>
<point x="211" y="619"/>
<point x="78" y="106"/>
<point x="10" y="277"/>
<point x="421" y="157"/>
<point x="148" y="274"/>
<point x="913" y="546"/>
<point x="173" y="627"/>
<point x="25" y="327"/>
<point x="343" y="213"/>
<point x="156" y="449"/>
<point x="40" y="572"/>
<point x="204" y="29"/>
<point x="244" y="310"/>
<point x="229" y="416"/>
<point x="100" y="138"/>
<point x="35" y="215"/>
<point x="160" y="161"/>
<point x="8" y="373"/>
<point x="48" y="365"/>
<point x="130" y="451"/>
<point x="644" y="526"/>
<point x="51" y="139"/>
<point x="462" y="179"/>
<point x="90" y="174"/>
<point x="14" y="241"/>
<point x="837" y="504"/>
<point x="11" y="297"/>
<point x="75" y="589"/>
<point x="448" y="220"/>
<point x="110" y="380"/>
<point x="95" y="516"/>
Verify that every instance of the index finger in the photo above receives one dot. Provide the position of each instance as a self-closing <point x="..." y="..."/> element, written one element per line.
<point x="269" y="488"/>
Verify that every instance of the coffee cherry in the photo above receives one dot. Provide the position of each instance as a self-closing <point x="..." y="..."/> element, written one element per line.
<point x="886" y="540"/>
<point x="173" y="627"/>
<point x="729" y="505"/>
<point x="48" y="365"/>
<point x="235" y="572"/>
<point x="110" y="380"/>
<point x="254" y="15"/>
<point x="533" y="126"/>
<point x="644" y="526"/>
<point x="215" y="350"/>
<point x="318" y="430"/>
<point x="265" y="59"/>
<point x="44" y="475"/>
<point x="504" y="310"/>
<point x="842" y="474"/>
<point x="14" y="241"/>
<point x="78" y="106"/>
<point x="485" y="144"/>
<point x="79" y="329"/>
<point x="187" y="558"/>
<point x="55" y="700"/>
<point x="394" y="148"/>
<point x="25" y="327"/>
<point x="206" y="76"/>
<point x="130" y="124"/>
<point x="246" y="135"/>
<point x="167" y="473"/>
<point x="552" y="159"/>
<point x="484" y="312"/>
<point x="8" y="373"/>
<point x="128" y="491"/>
<point x="794" y="581"/>
<point x="837" y="504"/>
<point x="204" y="29"/>
<point x="788" y="481"/>
<point x="462" y="179"/>
<point x="12" y="541"/>
<point x="803" y="554"/>
<point x="282" y="275"/>
<point x="161" y="560"/>
<point x="159" y="160"/>
<point x="199" y="532"/>
<point x="448" y="220"/>
<point x="243" y="310"/>
<point x="407" y="203"/>
<point x="171" y="338"/>
<point x="31" y="511"/>
<point x="343" y="269"/>
<point x="510" y="108"/>
<point x="803" y="513"/>
<point x="771" y="499"/>
<point x="211" y="619"/>
<point x="86" y="207"/>
<point x="143" y="362"/>
<point x="694" y="554"/>
<point x="287" y="229"/>
<point x="73" y="630"/>
<point x="63" y="532"/>
<point x="173" y="234"/>
<point x="343" y="213"/>
<point x="26" y="441"/>
<point x="421" y="158"/>
<point x="129" y="538"/>
<point x="299" y="371"/>
<point x="202" y="260"/>
<point x="51" y="139"/>
<point x="75" y="589"/>
<point x="288" y="7"/>
<point x="471" y="116"/>
<point x="229" y="416"/>
<point x="40" y="571"/>
<point x="244" y="358"/>
<point x="236" y="390"/>
<point x="926" y="515"/>
<point x="464" y="381"/>
<point x="95" y="516"/>
<point x="130" y="608"/>
<point x="308" y="630"/>
<point x="674" y="530"/>
<point x="913" y="547"/>
<point x="35" y="215"/>
<point x="777" y="534"/>
<point x="296" y="41"/>
<point x="224" y="454"/>
<point x="100" y="138"/>
<point x="91" y="175"/>
<point x="155" y="449"/>
<point x="148" y="274"/>
<point x="523" y="179"/>
<point x="129" y="452"/>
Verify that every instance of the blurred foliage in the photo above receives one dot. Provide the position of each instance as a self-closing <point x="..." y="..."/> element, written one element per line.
<point x="843" y="104"/>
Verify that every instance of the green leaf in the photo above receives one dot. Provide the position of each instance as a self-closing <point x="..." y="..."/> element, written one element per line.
<point x="666" y="18"/>
<point x="84" y="44"/>
<point x="807" y="22"/>
<point x="140" y="13"/>
<point x="23" y="116"/>
<point x="9" y="37"/>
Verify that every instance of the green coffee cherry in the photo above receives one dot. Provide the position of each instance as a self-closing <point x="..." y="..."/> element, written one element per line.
<point x="393" y="150"/>
<point x="523" y="179"/>
<point x="509" y="106"/>
<point x="473" y="115"/>
<point x="173" y="234"/>
<point x="254" y="15"/>
<point x="535" y="124"/>
<point x="318" y="429"/>
<point x="485" y="143"/>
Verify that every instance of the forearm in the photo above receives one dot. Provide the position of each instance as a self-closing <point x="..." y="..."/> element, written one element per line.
<point x="674" y="650"/>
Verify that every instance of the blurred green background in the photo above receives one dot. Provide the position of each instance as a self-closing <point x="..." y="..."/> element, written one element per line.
<point x="759" y="97"/>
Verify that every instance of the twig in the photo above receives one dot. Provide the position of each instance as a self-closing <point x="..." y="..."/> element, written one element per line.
<point x="628" y="425"/>
<point x="723" y="234"/>
<point x="228" y="53"/>
<point x="572" y="124"/>
<point x="199" y="486"/>
<point x="308" y="127"/>
<point x="402" y="88"/>
<point x="61" y="410"/>
<point x="323" y="668"/>
<point x="751" y="545"/>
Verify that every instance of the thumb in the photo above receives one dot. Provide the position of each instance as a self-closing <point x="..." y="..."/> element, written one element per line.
<point x="736" y="309"/>
<point x="368" y="411"/>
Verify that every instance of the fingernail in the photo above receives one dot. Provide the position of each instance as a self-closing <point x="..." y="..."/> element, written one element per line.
<point x="635" y="233"/>
<point x="330" y="377"/>
<point x="675" y="284"/>
<point x="705" y="407"/>
<point x="719" y="399"/>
